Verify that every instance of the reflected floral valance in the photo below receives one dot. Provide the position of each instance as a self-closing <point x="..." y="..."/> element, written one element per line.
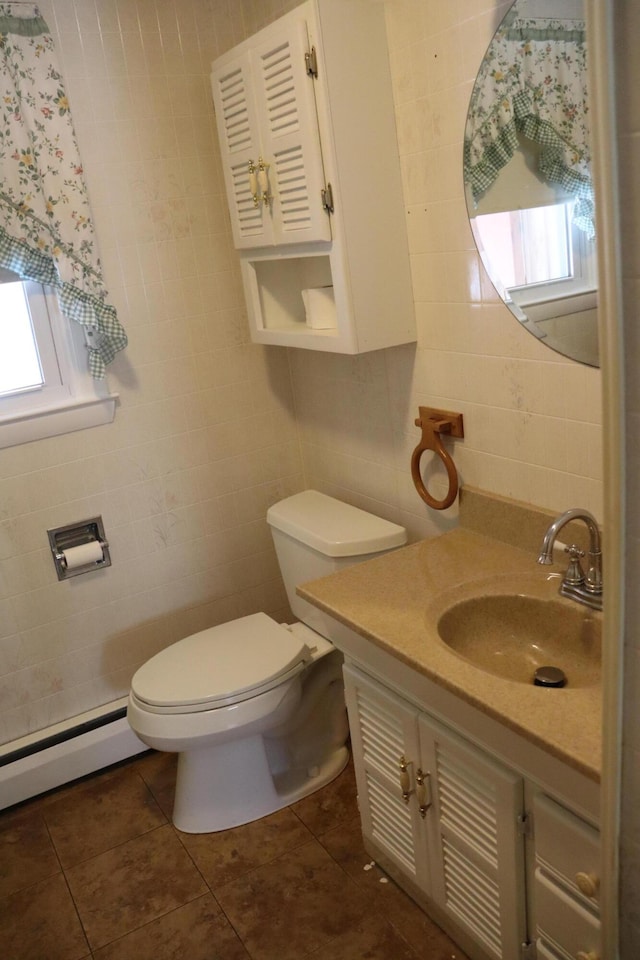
<point x="533" y="81"/>
<point x="46" y="232"/>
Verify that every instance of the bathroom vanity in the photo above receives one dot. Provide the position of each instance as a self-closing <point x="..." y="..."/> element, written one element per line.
<point x="478" y="793"/>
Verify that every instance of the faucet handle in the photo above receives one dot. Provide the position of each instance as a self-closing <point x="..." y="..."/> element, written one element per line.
<point x="575" y="574"/>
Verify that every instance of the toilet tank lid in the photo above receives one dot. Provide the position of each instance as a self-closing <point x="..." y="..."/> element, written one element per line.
<point x="334" y="528"/>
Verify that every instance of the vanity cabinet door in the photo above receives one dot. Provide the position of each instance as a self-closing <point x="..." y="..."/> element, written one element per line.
<point x="384" y="737"/>
<point x="476" y="844"/>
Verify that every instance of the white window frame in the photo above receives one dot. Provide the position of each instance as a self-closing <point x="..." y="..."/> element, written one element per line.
<point x="68" y="401"/>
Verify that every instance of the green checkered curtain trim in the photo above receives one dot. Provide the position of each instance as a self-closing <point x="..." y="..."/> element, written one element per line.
<point x="46" y="232"/>
<point x="533" y="81"/>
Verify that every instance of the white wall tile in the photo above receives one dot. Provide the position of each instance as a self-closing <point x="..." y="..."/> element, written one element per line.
<point x="532" y="418"/>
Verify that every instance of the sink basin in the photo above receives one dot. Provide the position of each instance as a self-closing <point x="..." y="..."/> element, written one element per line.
<point x="511" y="636"/>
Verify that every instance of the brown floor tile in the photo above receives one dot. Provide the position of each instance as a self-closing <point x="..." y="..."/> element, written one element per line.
<point x="330" y="805"/>
<point x="197" y="931"/>
<point x="139" y="881"/>
<point x="373" y="938"/>
<point x="344" y="844"/>
<point x="109" y="810"/>
<point x="41" y="923"/>
<point x="158" y="770"/>
<point x="425" y="937"/>
<point x="26" y="852"/>
<point x="293" y="905"/>
<point x="225" y="856"/>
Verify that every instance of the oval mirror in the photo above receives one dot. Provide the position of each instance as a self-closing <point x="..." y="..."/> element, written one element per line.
<point x="527" y="173"/>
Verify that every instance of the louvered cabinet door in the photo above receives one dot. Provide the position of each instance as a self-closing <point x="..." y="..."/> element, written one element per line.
<point x="285" y="99"/>
<point x="476" y="846"/>
<point x="384" y="735"/>
<point x="241" y="149"/>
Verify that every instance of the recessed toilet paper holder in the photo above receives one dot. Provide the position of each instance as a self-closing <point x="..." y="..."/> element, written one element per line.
<point x="74" y="543"/>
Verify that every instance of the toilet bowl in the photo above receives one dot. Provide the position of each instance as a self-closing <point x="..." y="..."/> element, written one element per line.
<point x="255" y="709"/>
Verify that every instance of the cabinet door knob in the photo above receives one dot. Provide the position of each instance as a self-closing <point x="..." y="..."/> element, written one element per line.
<point x="587" y="883"/>
<point x="405" y="780"/>
<point x="587" y="955"/>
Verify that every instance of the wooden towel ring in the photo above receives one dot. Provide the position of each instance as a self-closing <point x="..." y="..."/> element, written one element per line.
<point x="434" y="423"/>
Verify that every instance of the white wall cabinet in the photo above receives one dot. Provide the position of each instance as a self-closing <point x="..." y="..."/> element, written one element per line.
<point x="511" y="869"/>
<point x="307" y="134"/>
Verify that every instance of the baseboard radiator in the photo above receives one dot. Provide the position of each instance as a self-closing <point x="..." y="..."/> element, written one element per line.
<point x="65" y="752"/>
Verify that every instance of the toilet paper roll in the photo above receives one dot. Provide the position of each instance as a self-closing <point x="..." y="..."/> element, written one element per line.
<point x="80" y="556"/>
<point x="320" y="308"/>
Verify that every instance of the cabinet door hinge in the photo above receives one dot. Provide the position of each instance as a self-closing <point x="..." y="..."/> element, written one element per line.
<point x="523" y="822"/>
<point x="528" y="951"/>
<point x="311" y="63"/>
<point x="327" y="198"/>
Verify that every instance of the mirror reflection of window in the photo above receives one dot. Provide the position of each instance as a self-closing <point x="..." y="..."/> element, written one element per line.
<point x="529" y="246"/>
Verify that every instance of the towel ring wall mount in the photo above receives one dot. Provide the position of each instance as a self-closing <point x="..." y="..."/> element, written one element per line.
<point x="435" y="422"/>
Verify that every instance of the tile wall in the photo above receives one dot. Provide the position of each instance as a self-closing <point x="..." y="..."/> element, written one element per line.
<point x="204" y="438"/>
<point x="532" y="418"/>
<point x="211" y="429"/>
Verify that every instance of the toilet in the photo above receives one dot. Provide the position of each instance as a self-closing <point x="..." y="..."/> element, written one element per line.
<point x="254" y="708"/>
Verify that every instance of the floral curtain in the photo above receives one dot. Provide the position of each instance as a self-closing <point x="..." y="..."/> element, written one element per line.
<point x="46" y="233"/>
<point x="533" y="81"/>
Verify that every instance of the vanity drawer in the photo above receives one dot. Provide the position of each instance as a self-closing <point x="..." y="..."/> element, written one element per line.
<point x="563" y="922"/>
<point x="569" y="848"/>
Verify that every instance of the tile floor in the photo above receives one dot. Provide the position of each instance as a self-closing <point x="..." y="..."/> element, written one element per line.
<point x="96" y="870"/>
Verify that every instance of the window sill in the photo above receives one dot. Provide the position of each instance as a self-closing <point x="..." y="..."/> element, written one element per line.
<point x="55" y="420"/>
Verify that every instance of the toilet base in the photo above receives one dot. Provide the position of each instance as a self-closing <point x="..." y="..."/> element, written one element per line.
<point x="231" y="784"/>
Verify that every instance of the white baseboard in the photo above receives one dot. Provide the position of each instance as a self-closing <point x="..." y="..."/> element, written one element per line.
<point x="68" y="760"/>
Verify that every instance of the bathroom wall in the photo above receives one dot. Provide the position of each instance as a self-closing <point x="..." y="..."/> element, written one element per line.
<point x="204" y="437"/>
<point x="211" y="428"/>
<point x="532" y="419"/>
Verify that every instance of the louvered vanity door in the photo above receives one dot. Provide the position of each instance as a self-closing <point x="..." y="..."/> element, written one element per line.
<point x="241" y="149"/>
<point x="476" y="845"/>
<point x="384" y="737"/>
<point x="285" y="99"/>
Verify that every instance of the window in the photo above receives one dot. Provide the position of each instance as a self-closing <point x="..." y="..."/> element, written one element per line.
<point x="45" y="386"/>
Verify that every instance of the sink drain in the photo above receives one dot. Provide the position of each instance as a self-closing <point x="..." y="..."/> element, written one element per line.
<point x="549" y="677"/>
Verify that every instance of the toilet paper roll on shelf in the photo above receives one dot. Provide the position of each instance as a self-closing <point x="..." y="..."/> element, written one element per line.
<point x="320" y="308"/>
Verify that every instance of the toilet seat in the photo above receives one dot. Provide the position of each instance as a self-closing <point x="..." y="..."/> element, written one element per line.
<point x="220" y="666"/>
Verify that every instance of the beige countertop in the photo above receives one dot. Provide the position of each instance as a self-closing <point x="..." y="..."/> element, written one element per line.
<point x="395" y="601"/>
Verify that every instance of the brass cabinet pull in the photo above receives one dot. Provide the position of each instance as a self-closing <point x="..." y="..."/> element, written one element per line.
<point x="405" y="779"/>
<point x="423" y="780"/>
<point x="253" y="183"/>
<point x="263" y="180"/>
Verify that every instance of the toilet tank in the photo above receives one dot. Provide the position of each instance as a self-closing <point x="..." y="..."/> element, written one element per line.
<point x="315" y="535"/>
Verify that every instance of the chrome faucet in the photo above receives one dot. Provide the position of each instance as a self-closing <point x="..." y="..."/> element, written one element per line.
<point x="576" y="584"/>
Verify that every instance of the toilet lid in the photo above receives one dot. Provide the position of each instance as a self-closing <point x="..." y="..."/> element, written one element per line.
<point x="220" y="665"/>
